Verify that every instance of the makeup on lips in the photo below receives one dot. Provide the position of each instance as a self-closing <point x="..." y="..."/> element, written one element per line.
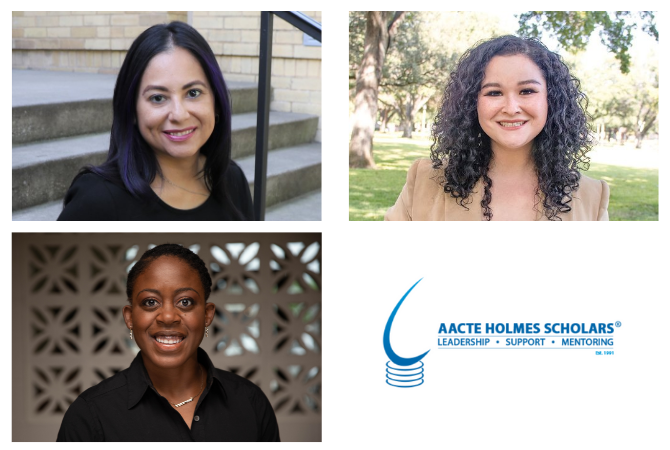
<point x="179" y="135"/>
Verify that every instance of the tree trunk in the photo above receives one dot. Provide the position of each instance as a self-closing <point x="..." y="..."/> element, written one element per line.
<point x="377" y="34"/>
<point x="383" y="120"/>
<point x="406" y="129"/>
<point x="408" y="125"/>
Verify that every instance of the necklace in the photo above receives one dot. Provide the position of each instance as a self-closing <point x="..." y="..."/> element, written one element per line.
<point x="202" y="387"/>
<point x="183" y="188"/>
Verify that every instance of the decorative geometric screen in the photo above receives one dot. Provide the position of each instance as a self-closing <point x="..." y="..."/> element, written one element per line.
<point x="69" y="333"/>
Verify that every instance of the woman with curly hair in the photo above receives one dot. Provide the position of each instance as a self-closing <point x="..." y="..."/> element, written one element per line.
<point x="511" y="136"/>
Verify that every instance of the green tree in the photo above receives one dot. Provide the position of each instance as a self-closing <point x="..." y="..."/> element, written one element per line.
<point x="381" y="27"/>
<point x="573" y="29"/>
<point x="625" y="101"/>
<point x="415" y="70"/>
<point x="426" y="49"/>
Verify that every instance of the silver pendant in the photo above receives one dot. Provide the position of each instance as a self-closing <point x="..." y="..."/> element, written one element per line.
<point x="183" y="403"/>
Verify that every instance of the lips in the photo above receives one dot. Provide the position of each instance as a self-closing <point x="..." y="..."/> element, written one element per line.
<point x="516" y="124"/>
<point x="179" y="135"/>
<point x="168" y="338"/>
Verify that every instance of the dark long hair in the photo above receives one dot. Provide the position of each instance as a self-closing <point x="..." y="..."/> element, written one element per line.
<point x="559" y="151"/>
<point x="130" y="160"/>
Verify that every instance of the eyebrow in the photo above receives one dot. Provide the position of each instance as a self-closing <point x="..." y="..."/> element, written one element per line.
<point x="164" y="89"/>
<point x="520" y="83"/>
<point x="177" y="291"/>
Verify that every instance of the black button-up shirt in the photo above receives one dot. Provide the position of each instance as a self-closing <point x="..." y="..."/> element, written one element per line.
<point x="126" y="407"/>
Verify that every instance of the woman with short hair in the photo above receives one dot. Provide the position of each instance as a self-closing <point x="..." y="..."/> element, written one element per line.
<point x="171" y="391"/>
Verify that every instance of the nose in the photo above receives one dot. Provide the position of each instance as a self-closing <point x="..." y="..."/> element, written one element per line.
<point x="168" y="315"/>
<point x="179" y="112"/>
<point x="511" y="105"/>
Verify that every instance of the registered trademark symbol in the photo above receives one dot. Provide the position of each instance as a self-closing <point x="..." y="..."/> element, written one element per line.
<point x="618" y="324"/>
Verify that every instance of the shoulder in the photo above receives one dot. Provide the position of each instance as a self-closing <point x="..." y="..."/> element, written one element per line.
<point x="254" y="398"/>
<point x="239" y="190"/>
<point x="420" y="170"/>
<point x="591" y="199"/>
<point x="91" y="197"/>
<point x="108" y="386"/>
<point x="98" y="394"/>
<point x="237" y="383"/>
<point x="81" y="420"/>
<point x="421" y="191"/>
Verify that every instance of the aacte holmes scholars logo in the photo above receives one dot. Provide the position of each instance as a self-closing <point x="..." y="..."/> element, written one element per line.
<point x="402" y="372"/>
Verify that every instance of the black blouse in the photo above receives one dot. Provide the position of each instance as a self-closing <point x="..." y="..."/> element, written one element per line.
<point x="126" y="407"/>
<point x="91" y="197"/>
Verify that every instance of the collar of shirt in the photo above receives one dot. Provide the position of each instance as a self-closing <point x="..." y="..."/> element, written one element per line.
<point x="139" y="381"/>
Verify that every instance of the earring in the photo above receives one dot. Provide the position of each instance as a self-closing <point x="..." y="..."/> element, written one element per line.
<point x="131" y="334"/>
<point x="216" y="118"/>
<point x="206" y="331"/>
<point x="479" y="137"/>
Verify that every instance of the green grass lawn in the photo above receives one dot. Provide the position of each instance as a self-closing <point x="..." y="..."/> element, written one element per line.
<point x="633" y="191"/>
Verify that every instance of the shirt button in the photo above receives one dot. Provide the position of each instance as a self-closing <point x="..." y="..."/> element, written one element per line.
<point x="196" y="418"/>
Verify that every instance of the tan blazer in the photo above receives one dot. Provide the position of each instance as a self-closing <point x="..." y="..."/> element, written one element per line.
<point x="423" y="198"/>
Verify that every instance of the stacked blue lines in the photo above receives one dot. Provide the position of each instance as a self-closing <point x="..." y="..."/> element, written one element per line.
<point x="404" y="376"/>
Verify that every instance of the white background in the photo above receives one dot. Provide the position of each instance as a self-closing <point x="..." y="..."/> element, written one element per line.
<point x="482" y="398"/>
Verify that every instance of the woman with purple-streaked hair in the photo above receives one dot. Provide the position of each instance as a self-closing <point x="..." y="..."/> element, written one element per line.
<point x="170" y="147"/>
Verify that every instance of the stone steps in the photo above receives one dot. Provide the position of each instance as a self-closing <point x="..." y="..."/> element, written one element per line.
<point x="43" y="171"/>
<point x="292" y="172"/>
<point x="61" y="122"/>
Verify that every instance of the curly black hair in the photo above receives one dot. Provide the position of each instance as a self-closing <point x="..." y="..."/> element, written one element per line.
<point x="558" y="152"/>
<point x="176" y="251"/>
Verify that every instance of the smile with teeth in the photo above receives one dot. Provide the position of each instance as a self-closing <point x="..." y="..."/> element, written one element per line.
<point x="180" y="133"/>
<point x="169" y="339"/>
<point x="512" y="124"/>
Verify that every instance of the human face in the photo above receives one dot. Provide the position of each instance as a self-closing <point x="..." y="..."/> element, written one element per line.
<point x="175" y="105"/>
<point x="512" y="103"/>
<point x="168" y="305"/>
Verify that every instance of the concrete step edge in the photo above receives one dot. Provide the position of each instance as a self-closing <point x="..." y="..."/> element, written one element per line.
<point x="283" y="184"/>
<point x="52" y="150"/>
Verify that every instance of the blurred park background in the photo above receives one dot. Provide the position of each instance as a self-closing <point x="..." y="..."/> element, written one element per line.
<point x="613" y="54"/>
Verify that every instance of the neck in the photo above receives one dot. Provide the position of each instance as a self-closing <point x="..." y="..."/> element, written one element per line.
<point x="176" y="383"/>
<point x="512" y="162"/>
<point x="181" y="170"/>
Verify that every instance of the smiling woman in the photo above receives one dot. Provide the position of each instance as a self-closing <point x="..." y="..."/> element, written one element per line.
<point x="170" y="148"/>
<point x="172" y="384"/>
<point x="509" y="143"/>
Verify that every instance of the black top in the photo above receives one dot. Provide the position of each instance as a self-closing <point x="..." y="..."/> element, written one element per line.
<point x="91" y="197"/>
<point x="126" y="407"/>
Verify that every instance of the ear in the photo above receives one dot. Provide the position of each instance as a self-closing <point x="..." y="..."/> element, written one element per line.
<point x="210" y="309"/>
<point x="127" y="316"/>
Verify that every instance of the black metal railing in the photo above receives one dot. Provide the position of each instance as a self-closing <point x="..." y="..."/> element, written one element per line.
<point x="313" y="29"/>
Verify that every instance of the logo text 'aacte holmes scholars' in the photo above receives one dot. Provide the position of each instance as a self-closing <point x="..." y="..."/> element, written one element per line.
<point x="402" y="372"/>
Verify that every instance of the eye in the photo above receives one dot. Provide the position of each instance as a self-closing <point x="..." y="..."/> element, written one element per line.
<point x="149" y="302"/>
<point x="493" y="94"/>
<point x="528" y="91"/>
<point x="158" y="98"/>
<point x="185" y="302"/>
<point x="194" y="93"/>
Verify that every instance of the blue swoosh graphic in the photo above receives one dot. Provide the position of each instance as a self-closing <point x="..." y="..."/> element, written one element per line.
<point x="399" y="360"/>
